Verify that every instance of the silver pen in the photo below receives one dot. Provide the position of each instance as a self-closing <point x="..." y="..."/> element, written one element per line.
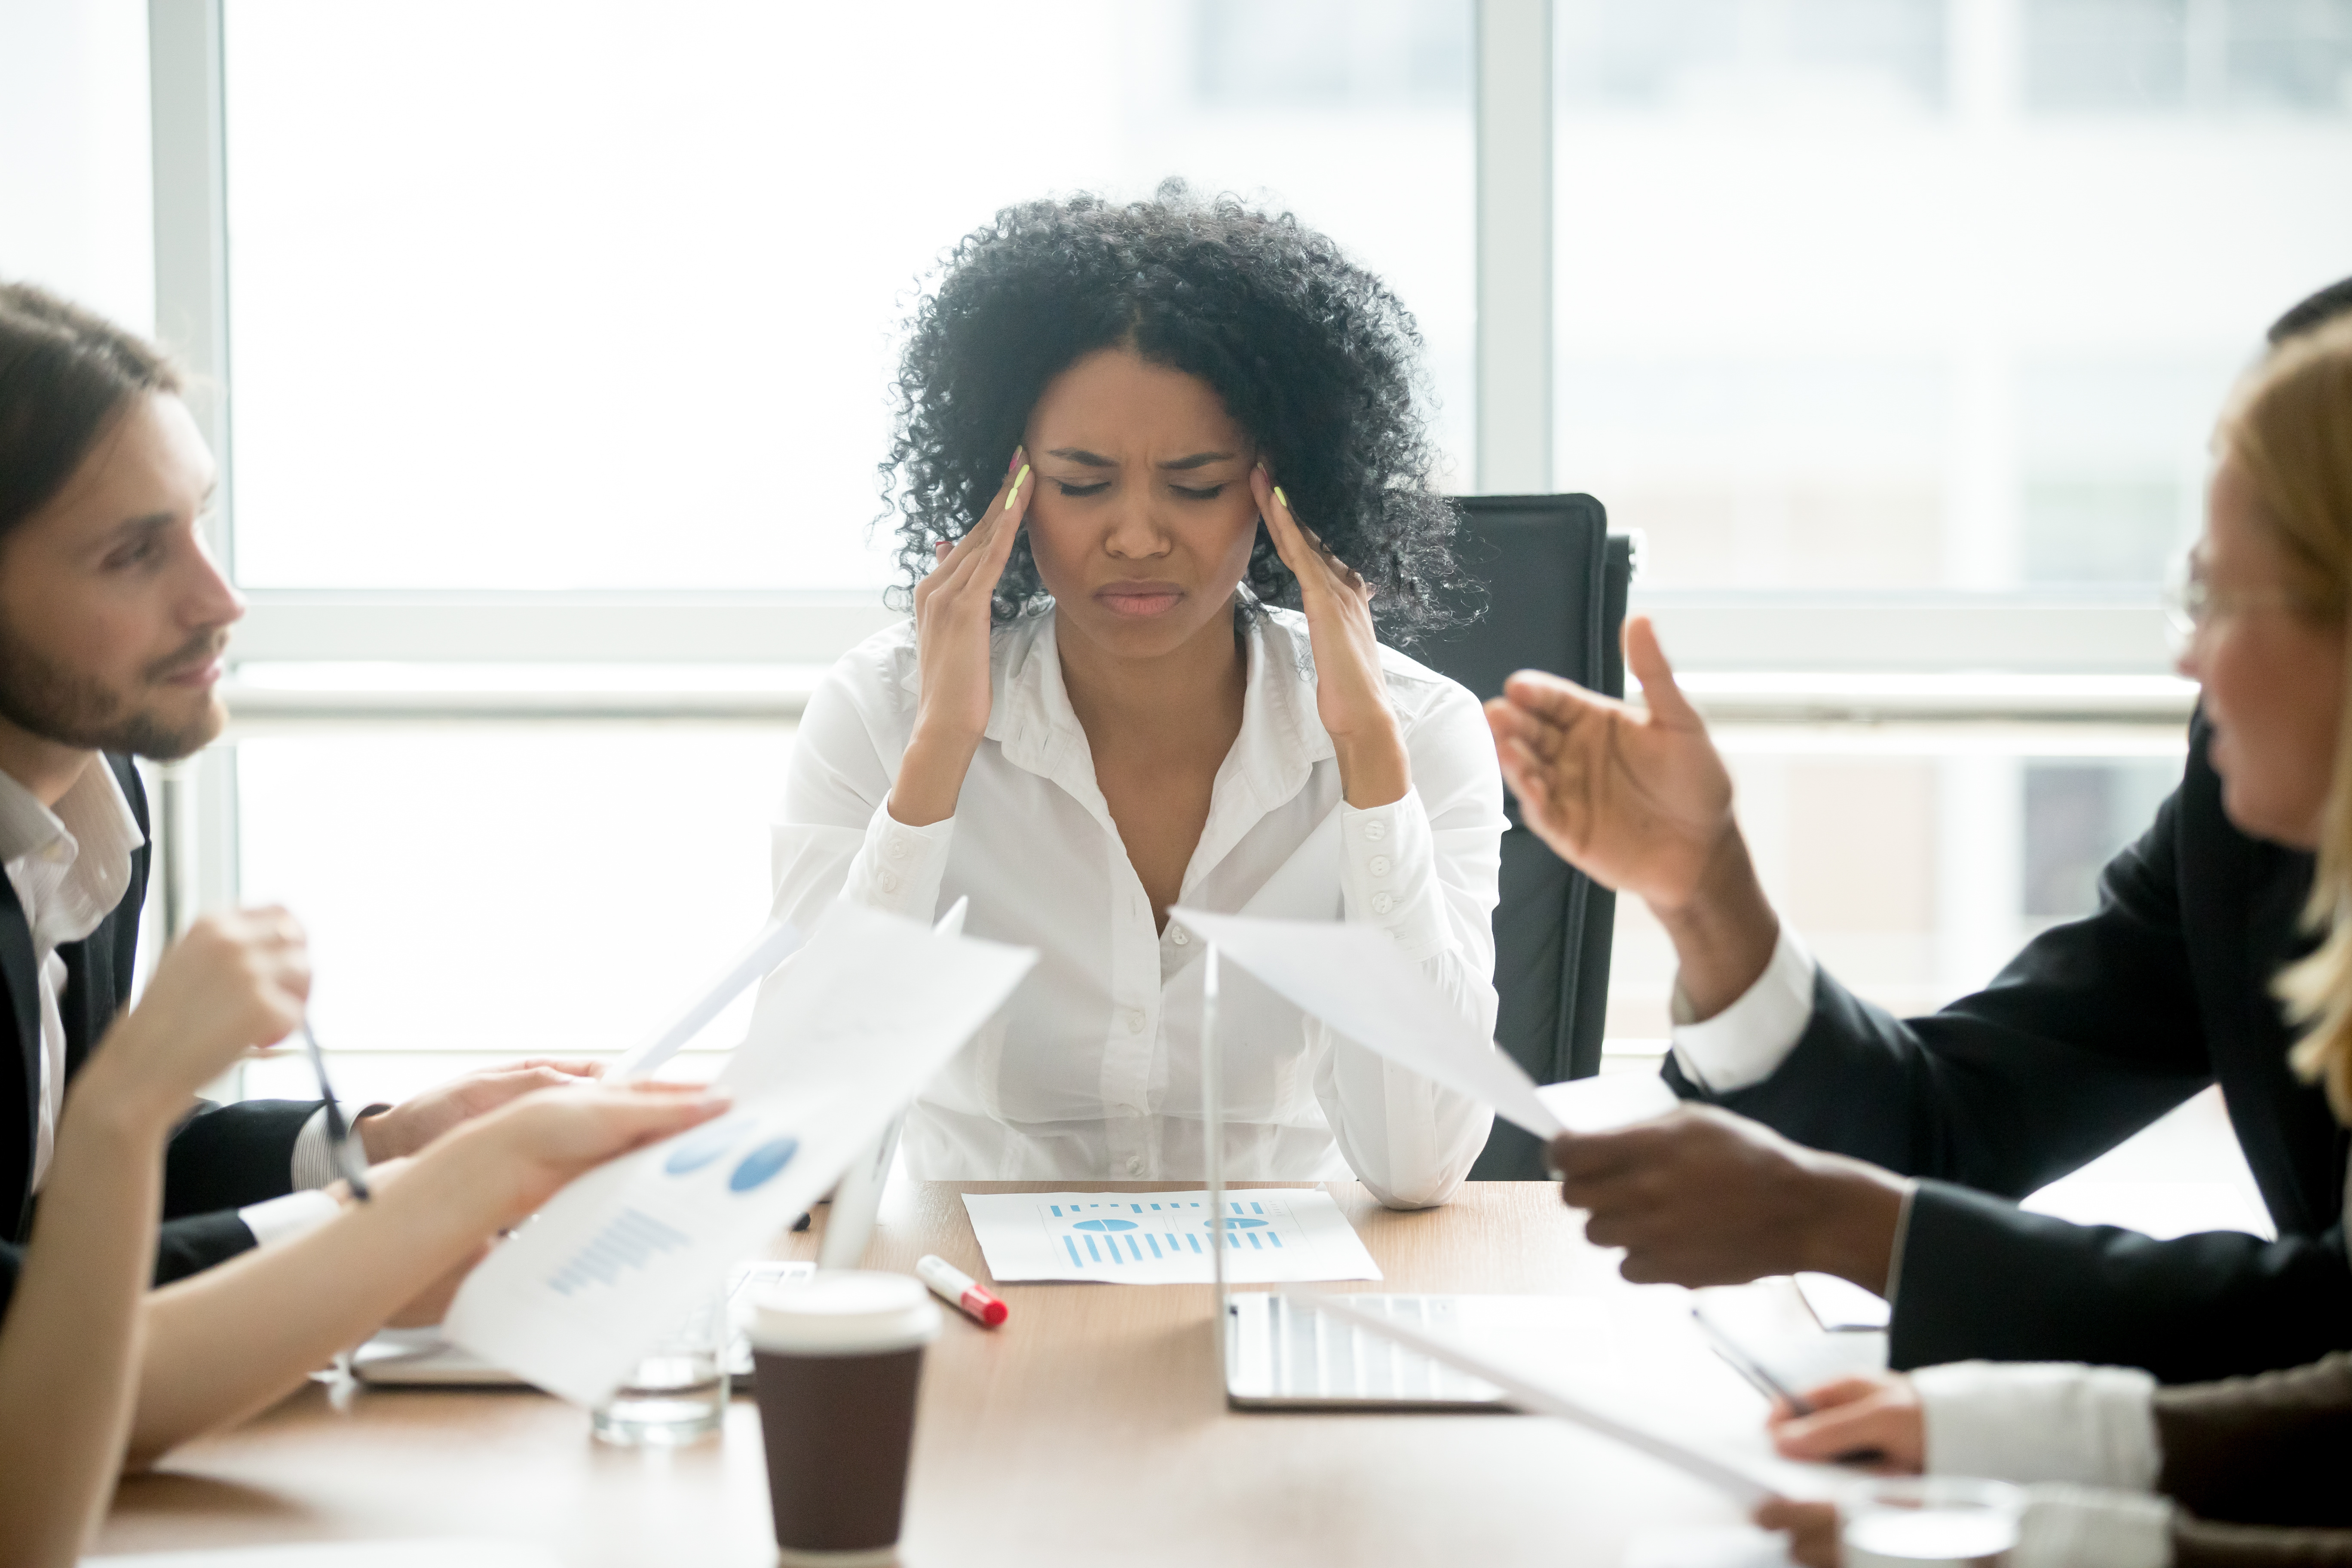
<point x="340" y="1142"/>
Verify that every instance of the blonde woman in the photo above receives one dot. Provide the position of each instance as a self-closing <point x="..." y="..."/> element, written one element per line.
<point x="2250" y="1470"/>
<point x="95" y="1370"/>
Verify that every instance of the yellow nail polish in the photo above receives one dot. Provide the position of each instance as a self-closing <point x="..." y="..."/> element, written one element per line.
<point x="1011" y="495"/>
<point x="1283" y="499"/>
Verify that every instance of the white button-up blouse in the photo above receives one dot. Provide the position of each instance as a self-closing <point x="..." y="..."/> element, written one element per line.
<point x="1092" y="1071"/>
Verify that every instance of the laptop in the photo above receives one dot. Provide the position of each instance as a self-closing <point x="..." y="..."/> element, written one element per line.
<point x="1277" y="1352"/>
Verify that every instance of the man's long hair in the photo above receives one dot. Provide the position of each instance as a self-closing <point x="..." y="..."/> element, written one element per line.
<point x="66" y="374"/>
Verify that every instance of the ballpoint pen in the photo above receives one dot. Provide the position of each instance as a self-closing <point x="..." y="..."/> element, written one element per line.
<point x="1771" y="1387"/>
<point x="1747" y="1367"/>
<point x="340" y="1141"/>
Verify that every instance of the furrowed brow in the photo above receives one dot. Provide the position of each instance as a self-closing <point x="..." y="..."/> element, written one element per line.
<point x="1083" y="458"/>
<point x="1199" y="460"/>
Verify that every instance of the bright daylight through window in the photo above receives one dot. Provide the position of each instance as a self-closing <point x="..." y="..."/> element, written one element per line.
<point x="1896" y="297"/>
<point x="1913" y="308"/>
<point x="672" y="246"/>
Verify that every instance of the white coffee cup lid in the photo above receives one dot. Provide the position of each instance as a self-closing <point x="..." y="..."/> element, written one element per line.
<point x="844" y="1311"/>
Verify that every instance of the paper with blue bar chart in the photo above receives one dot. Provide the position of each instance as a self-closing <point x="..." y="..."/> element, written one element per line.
<point x="1274" y="1235"/>
<point x="845" y="1037"/>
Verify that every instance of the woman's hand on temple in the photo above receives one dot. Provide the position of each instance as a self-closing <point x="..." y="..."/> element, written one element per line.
<point x="1351" y="694"/>
<point x="235" y="981"/>
<point x="1855" y="1416"/>
<point x="953" y="616"/>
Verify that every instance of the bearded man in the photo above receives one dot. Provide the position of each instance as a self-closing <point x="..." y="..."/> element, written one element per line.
<point x="114" y="626"/>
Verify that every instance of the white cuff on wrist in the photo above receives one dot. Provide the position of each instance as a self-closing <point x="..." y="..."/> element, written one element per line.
<point x="2040" y="1421"/>
<point x="1747" y="1042"/>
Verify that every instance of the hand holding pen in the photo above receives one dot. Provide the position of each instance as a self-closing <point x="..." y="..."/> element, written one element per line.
<point x="1797" y="1418"/>
<point x="1875" y="1421"/>
<point x="340" y="1142"/>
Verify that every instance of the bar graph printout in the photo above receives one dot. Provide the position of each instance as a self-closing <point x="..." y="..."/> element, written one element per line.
<point x="839" y="1043"/>
<point x="1275" y="1234"/>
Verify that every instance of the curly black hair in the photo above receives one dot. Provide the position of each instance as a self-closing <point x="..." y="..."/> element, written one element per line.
<point x="1312" y="355"/>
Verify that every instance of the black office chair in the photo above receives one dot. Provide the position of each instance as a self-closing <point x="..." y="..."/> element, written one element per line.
<point x="1555" y="581"/>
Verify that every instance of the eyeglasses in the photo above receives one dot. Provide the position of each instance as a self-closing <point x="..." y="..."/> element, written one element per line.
<point x="2192" y="603"/>
<point x="340" y="1142"/>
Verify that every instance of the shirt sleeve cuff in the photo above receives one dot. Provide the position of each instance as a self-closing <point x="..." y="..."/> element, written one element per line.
<point x="1747" y="1042"/>
<point x="2087" y="1425"/>
<point x="313" y="1164"/>
<point x="2075" y="1527"/>
<point x="898" y="869"/>
<point x="1387" y="876"/>
<point x="283" y="1219"/>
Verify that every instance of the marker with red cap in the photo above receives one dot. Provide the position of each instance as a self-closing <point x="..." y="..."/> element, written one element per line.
<point x="951" y="1284"/>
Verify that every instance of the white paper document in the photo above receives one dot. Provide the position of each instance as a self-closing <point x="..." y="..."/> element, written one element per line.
<point x="1273" y="1235"/>
<point x="1750" y="1476"/>
<point x="1352" y="978"/>
<point x="1607" y="1102"/>
<point x="773" y="944"/>
<point x="872" y="1008"/>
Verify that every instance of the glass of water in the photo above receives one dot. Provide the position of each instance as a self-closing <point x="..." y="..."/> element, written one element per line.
<point x="1916" y="1522"/>
<point x="677" y="1394"/>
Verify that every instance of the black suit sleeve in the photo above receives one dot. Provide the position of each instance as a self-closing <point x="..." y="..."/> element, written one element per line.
<point x="226" y="1156"/>
<point x="2090" y="1034"/>
<point x="191" y="1246"/>
<point x="1983" y="1278"/>
<point x="183" y="1246"/>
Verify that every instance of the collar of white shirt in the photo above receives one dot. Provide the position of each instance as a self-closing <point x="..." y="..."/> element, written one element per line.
<point x="1282" y="737"/>
<point x="91" y="834"/>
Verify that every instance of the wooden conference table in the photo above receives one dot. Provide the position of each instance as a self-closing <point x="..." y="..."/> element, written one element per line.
<point x="1089" y="1429"/>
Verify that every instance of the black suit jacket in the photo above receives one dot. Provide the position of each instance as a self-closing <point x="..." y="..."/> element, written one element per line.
<point x="2094" y="1030"/>
<point x="221" y="1158"/>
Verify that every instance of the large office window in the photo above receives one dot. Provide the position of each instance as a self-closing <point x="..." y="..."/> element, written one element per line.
<point x="546" y="295"/>
<point x="558" y="341"/>
<point x="1928" y="293"/>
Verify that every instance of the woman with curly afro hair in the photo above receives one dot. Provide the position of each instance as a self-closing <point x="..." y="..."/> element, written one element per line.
<point x="1161" y="482"/>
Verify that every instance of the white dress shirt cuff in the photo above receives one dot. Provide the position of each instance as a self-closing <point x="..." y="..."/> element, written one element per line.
<point x="1747" y="1042"/>
<point x="283" y="1219"/>
<point x="2075" y="1527"/>
<point x="1387" y="876"/>
<point x="2040" y="1421"/>
<point x="314" y="1163"/>
<point x="898" y="869"/>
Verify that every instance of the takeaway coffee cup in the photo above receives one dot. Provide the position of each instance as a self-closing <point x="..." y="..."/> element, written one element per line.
<point x="836" y="1363"/>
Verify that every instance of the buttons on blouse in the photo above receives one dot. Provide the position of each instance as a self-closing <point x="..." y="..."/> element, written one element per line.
<point x="1382" y="904"/>
<point x="1376" y="831"/>
<point x="1180" y="937"/>
<point x="898" y="850"/>
<point x="1378" y="866"/>
<point x="1135" y="1020"/>
<point x="890" y="882"/>
<point x="1134" y="1164"/>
